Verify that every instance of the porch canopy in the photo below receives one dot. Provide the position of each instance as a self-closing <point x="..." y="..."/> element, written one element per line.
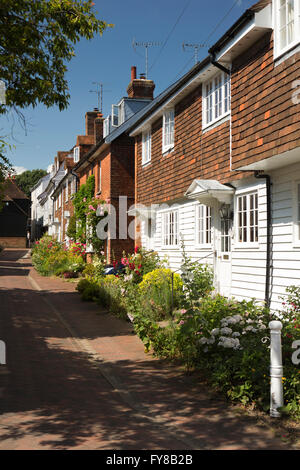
<point x="139" y="210"/>
<point x="208" y="191"/>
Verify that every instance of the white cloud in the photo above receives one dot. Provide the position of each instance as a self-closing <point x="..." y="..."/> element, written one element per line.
<point x="19" y="169"/>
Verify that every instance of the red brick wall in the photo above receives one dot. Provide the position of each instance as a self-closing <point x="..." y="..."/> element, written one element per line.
<point x="265" y="122"/>
<point x="117" y="179"/>
<point x="13" y="242"/>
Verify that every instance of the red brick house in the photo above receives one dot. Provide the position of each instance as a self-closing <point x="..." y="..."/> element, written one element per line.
<point x="217" y="158"/>
<point x="111" y="161"/>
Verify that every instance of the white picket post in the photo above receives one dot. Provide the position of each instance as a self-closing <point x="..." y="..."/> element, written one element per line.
<point x="276" y="369"/>
<point x="2" y="352"/>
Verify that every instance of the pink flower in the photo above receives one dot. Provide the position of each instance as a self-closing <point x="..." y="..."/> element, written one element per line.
<point x="84" y="199"/>
<point x="182" y="322"/>
<point x="92" y="208"/>
<point x="183" y="311"/>
<point x="136" y="249"/>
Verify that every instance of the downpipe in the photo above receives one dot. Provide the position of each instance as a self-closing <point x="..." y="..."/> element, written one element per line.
<point x="269" y="237"/>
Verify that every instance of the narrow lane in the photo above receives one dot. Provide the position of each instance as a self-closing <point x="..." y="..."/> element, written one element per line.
<point x="77" y="378"/>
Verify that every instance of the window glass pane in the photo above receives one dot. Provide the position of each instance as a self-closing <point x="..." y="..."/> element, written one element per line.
<point x="248" y="218"/>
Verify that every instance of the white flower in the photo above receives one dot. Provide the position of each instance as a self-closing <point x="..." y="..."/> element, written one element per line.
<point x="237" y="318"/>
<point x="215" y="331"/>
<point x="249" y="328"/>
<point x="226" y="331"/>
<point x="211" y="340"/>
<point x="232" y="343"/>
<point x="235" y="334"/>
<point x="203" y="341"/>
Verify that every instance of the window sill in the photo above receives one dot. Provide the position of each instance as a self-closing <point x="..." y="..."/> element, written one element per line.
<point x="144" y="165"/>
<point x="216" y="123"/>
<point x="286" y="53"/>
<point x="168" y="150"/>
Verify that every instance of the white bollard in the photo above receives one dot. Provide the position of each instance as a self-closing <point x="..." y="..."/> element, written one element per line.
<point x="276" y="369"/>
<point x="2" y="352"/>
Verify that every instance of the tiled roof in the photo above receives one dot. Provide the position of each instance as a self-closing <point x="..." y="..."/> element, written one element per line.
<point x="12" y="191"/>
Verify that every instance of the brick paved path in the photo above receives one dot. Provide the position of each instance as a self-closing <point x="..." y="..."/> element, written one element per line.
<point x="78" y="378"/>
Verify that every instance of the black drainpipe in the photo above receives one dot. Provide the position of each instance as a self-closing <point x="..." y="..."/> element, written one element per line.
<point x="216" y="64"/>
<point x="269" y="238"/>
<point x="77" y="179"/>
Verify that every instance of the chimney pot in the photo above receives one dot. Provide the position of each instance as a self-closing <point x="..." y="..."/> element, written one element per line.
<point x="133" y="73"/>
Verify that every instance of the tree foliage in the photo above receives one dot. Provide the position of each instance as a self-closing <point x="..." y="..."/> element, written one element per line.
<point x="26" y="180"/>
<point x="37" y="41"/>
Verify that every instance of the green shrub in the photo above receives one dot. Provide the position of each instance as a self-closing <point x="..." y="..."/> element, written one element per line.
<point x="50" y="257"/>
<point x="89" y="270"/>
<point x="156" y="289"/>
<point x="197" y="278"/>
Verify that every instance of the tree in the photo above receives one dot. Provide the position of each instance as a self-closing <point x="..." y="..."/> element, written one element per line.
<point x="26" y="180"/>
<point x="37" y="41"/>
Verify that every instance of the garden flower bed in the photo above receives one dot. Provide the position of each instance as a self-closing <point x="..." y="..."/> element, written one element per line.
<point x="227" y="340"/>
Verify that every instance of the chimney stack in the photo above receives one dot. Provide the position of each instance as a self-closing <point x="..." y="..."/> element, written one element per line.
<point x="140" y="88"/>
<point x="98" y="128"/>
<point x="90" y="117"/>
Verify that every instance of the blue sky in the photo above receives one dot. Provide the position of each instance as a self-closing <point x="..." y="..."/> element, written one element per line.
<point x="108" y="59"/>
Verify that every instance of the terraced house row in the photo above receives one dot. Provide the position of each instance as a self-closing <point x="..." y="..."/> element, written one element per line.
<point x="213" y="162"/>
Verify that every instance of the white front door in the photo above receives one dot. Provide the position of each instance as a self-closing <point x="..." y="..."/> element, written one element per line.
<point x="223" y="264"/>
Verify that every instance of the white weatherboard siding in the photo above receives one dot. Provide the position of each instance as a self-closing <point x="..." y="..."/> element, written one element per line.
<point x="186" y="220"/>
<point x="286" y="255"/>
<point x="248" y="263"/>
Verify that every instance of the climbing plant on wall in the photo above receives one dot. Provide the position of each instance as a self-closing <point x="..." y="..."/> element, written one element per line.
<point x="87" y="208"/>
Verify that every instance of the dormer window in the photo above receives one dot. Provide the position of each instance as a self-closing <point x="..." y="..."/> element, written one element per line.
<point x="115" y="115"/>
<point x="76" y="154"/>
<point x="287" y="25"/>
<point x="106" y="126"/>
<point x="216" y="99"/>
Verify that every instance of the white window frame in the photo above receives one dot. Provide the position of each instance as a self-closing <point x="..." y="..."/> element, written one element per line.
<point x="76" y="154"/>
<point x="99" y="177"/>
<point x="66" y="192"/>
<point x="115" y="115"/>
<point x="106" y="126"/>
<point x="245" y="221"/>
<point x="278" y="50"/>
<point x="170" y="229"/>
<point x="204" y="232"/>
<point x="168" y="130"/>
<point x="146" y="146"/>
<point x="121" y="113"/>
<point x="216" y="99"/>
<point x="59" y="200"/>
